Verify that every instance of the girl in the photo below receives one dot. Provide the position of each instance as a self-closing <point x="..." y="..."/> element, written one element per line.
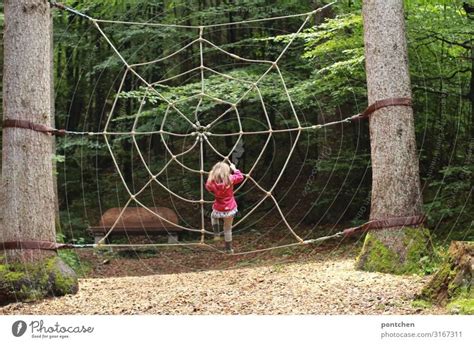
<point x="221" y="183"/>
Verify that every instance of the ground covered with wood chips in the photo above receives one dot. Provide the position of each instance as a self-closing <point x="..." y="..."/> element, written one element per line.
<point x="303" y="280"/>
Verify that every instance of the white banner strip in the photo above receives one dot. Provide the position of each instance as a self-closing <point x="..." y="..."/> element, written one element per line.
<point x="236" y="329"/>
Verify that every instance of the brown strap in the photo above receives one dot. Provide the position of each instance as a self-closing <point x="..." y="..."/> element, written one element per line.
<point x="381" y="104"/>
<point x="19" y="123"/>
<point x="387" y="223"/>
<point x="57" y="5"/>
<point x="32" y="245"/>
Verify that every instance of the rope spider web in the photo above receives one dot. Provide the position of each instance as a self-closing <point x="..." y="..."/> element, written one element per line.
<point x="203" y="133"/>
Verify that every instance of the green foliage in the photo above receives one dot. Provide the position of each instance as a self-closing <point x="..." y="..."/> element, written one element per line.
<point x="450" y="200"/>
<point x="429" y="264"/>
<point x="462" y="306"/>
<point x="71" y="257"/>
<point x="440" y="41"/>
<point x="335" y="50"/>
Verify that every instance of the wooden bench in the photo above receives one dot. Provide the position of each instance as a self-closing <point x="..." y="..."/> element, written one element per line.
<point x="137" y="221"/>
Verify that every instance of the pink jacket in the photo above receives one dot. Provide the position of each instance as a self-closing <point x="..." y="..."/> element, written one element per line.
<point x="224" y="194"/>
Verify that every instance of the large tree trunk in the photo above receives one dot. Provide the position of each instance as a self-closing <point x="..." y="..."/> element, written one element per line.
<point x="27" y="165"/>
<point x="395" y="172"/>
<point x="27" y="174"/>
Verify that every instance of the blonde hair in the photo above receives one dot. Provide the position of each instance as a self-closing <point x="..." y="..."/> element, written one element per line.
<point x="220" y="173"/>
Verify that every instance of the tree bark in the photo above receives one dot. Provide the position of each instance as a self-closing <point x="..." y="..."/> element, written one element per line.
<point x="27" y="166"/>
<point x="53" y="125"/>
<point x="28" y="205"/>
<point x="395" y="171"/>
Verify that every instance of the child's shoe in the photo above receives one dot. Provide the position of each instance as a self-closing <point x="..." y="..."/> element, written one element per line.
<point x="228" y="247"/>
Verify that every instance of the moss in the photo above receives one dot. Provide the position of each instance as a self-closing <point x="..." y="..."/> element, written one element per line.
<point x="33" y="281"/>
<point x="16" y="285"/>
<point x="63" y="283"/>
<point x="418" y="253"/>
<point x="437" y="283"/>
<point x="454" y="277"/>
<point x="459" y="290"/>
<point x="12" y="276"/>
<point x="451" y="285"/>
<point x="462" y="306"/>
<point x="377" y="256"/>
<point x="421" y="304"/>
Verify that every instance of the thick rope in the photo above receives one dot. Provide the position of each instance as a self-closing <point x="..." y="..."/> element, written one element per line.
<point x="391" y="222"/>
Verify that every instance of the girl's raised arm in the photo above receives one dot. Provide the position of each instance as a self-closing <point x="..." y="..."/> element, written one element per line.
<point x="237" y="177"/>
<point x="209" y="186"/>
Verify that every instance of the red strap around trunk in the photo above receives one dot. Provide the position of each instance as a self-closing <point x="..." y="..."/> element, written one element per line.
<point x="391" y="222"/>
<point x="379" y="104"/>
<point x="23" y="124"/>
<point x="32" y="245"/>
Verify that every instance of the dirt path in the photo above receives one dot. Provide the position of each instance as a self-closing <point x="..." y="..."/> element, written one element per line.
<point x="328" y="285"/>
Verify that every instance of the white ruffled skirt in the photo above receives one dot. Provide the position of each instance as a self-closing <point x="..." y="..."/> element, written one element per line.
<point x="221" y="214"/>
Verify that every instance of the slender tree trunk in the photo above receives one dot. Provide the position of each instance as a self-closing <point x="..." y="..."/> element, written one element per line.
<point x="395" y="171"/>
<point x="27" y="169"/>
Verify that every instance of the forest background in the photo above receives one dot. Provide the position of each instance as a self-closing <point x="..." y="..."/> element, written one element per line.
<point x="328" y="181"/>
